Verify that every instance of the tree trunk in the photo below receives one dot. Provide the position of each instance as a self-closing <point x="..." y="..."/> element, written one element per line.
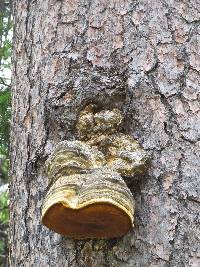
<point x="141" y="57"/>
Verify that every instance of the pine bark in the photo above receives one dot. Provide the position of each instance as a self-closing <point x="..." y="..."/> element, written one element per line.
<point x="141" y="57"/>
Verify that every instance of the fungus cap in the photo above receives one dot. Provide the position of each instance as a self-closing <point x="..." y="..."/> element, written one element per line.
<point x="93" y="205"/>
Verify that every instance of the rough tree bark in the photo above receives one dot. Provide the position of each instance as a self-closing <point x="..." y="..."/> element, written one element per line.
<point x="141" y="57"/>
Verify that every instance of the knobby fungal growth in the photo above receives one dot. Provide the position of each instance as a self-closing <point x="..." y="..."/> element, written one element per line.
<point x="88" y="197"/>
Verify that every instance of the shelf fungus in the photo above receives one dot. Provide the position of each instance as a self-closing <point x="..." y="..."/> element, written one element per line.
<point x="87" y="196"/>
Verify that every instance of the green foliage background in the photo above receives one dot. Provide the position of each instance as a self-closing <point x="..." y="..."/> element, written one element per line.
<point x="4" y="218"/>
<point x="5" y="114"/>
<point x="5" y="95"/>
<point x="4" y="121"/>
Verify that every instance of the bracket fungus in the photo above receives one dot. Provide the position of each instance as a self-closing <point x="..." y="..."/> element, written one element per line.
<point x="87" y="196"/>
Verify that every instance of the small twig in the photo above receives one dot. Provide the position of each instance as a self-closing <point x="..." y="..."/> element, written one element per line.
<point x="4" y="83"/>
<point x="2" y="256"/>
<point x="3" y="225"/>
<point x="3" y="208"/>
<point x="3" y="234"/>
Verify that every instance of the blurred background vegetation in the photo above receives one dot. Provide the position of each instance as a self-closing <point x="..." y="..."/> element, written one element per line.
<point x="5" y="113"/>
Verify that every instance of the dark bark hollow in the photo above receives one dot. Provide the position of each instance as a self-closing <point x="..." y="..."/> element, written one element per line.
<point x="87" y="193"/>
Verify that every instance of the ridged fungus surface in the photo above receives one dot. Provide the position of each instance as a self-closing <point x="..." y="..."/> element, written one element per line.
<point x="87" y="196"/>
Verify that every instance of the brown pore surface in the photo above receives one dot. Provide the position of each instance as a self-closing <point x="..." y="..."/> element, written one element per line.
<point x="100" y="220"/>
